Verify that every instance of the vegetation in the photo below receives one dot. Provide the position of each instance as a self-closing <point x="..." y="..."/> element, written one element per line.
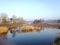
<point x="38" y="21"/>
<point x="4" y="19"/>
<point x="3" y="29"/>
<point x="27" y="28"/>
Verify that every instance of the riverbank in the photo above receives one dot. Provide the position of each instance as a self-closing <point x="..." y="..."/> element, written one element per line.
<point x="14" y="25"/>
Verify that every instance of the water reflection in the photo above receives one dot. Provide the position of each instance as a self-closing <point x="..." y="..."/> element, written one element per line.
<point x="3" y="35"/>
<point x="38" y="37"/>
<point x="15" y="31"/>
<point x="45" y="35"/>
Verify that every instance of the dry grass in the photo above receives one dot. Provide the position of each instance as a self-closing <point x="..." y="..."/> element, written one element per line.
<point x="3" y="29"/>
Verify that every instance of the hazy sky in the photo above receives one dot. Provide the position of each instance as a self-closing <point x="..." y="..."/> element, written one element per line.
<point x="31" y="9"/>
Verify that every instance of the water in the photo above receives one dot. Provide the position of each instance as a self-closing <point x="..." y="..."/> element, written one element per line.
<point x="44" y="37"/>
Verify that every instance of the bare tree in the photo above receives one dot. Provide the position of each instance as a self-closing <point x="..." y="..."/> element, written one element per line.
<point x="13" y="19"/>
<point x="3" y="17"/>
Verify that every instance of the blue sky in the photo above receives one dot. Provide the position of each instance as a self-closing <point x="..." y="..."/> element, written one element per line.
<point x="31" y="9"/>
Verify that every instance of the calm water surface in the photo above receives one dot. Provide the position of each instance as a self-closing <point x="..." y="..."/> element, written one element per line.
<point x="44" y="37"/>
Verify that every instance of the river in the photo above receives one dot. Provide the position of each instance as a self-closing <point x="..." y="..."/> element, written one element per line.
<point x="43" y="37"/>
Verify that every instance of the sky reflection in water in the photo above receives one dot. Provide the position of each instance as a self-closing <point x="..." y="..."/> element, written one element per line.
<point x="45" y="37"/>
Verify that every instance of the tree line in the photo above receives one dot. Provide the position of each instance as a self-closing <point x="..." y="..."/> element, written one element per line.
<point x="4" y="19"/>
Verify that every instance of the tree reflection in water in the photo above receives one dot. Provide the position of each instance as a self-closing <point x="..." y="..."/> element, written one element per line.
<point x="14" y="31"/>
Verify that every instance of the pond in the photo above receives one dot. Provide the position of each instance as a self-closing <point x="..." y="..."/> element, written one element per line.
<point x="44" y="37"/>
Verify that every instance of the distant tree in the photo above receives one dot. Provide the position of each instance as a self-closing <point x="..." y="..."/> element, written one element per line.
<point x="21" y="20"/>
<point x="13" y="19"/>
<point x="38" y="21"/>
<point x="14" y="16"/>
<point x="58" y="21"/>
<point x="4" y="17"/>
